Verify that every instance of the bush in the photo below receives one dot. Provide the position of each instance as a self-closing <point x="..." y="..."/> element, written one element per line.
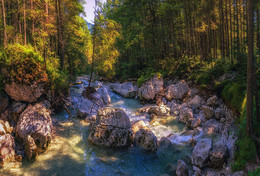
<point x="148" y="75"/>
<point x="255" y="173"/>
<point x="24" y="65"/>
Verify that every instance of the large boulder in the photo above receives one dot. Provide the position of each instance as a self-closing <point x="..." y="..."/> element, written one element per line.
<point x="200" y="153"/>
<point x="36" y="122"/>
<point x="90" y="105"/>
<point x="112" y="128"/>
<point x="22" y="92"/>
<point x="7" y="149"/>
<point x="186" y="114"/>
<point x="177" y="91"/>
<point x="145" y="139"/>
<point x="151" y="88"/>
<point x="126" y="89"/>
<point x="218" y="155"/>
<point x="105" y="95"/>
<point x="182" y="169"/>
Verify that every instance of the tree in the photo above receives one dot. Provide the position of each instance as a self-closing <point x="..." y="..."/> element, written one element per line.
<point x="250" y="66"/>
<point x="4" y="19"/>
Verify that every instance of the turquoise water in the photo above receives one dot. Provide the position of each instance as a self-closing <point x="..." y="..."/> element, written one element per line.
<point x="71" y="154"/>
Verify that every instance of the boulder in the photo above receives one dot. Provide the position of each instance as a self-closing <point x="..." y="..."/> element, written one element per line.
<point x="4" y="101"/>
<point x="195" y="123"/>
<point x="218" y="155"/>
<point x="16" y="109"/>
<point x="177" y="91"/>
<point x="146" y="140"/>
<point x="164" y="143"/>
<point x="200" y="153"/>
<point x="2" y="129"/>
<point x="212" y="101"/>
<point x="219" y="113"/>
<point x="104" y="95"/>
<point x="7" y="149"/>
<point x="112" y="128"/>
<point x="186" y="114"/>
<point x="157" y="110"/>
<point x="30" y="149"/>
<point x="208" y="112"/>
<point x="36" y="122"/>
<point x="151" y="88"/>
<point x="126" y="89"/>
<point x="196" y="102"/>
<point x="21" y="92"/>
<point x="182" y="169"/>
<point x="90" y="106"/>
<point x="138" y="125"/>
<point x="7" y="127"/>
<point x="211" y="126"/>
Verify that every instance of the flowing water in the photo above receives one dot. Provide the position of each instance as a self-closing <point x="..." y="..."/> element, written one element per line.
<point x="70" y="153"/>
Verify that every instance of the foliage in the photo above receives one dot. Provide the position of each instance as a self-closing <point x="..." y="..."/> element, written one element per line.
<point x="148" y="75"/>
<point x="255" y="172"/>
<point x="23" y="65"/>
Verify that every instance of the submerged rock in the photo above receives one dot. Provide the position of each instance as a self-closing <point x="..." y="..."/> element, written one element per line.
<point x="20" y="92"/>
<point x="126" y="89"/>
<point x="151" y="88"/>
<point x="177" y="91"/>
<point x="36" y="122"/>
<point x="182" y="169"/>
<point x="145" y="139"/>
<point x="7" y="149"/>
<point x="112" y="128"/>
<point x="200" y="153"/>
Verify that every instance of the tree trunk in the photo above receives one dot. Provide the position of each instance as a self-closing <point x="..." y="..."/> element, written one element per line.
<point x="24" y="20"/>
<point x="250" y="60"/>
<point x="60" y="34"/>
<point x="3" y="8"/>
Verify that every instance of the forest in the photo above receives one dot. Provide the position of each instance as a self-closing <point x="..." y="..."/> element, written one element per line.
<point x="191" y="65"/>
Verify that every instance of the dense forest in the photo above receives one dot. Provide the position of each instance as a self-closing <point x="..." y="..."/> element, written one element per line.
<point x="196" y="40"/>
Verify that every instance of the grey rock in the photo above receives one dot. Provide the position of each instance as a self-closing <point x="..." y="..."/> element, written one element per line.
<point x="182" y="169"/>
<point x="112" y="128"/>
<point x="200" y="153"/>
<point x="146" y="140"/>
<point x="126" y="89"/>
<point x="177" y="91"/>
<point x="208" y="112"/>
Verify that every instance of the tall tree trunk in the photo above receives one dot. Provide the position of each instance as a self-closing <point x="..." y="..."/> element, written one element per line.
<point x="60" y="34"/>
<point x="250" y="61"/>
<point x="258" y="28"/>
<point x="3" y="8"/>
<point x="24" y="20"/>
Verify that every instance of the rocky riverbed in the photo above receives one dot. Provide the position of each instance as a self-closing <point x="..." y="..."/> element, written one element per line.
<point x="162" y="127"/>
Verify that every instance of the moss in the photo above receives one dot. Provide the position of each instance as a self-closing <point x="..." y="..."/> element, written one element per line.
<point x="146" y="77"/>
<point x="233" y="93"/>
